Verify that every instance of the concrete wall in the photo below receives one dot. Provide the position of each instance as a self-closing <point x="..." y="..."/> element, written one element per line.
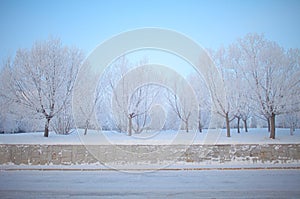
<point x="145" y="154"/>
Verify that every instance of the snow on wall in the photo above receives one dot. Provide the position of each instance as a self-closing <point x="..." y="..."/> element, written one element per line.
<point x="148" y="154"/>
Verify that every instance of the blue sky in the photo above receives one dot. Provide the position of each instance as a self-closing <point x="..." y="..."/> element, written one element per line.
<point x="85" y="24"/>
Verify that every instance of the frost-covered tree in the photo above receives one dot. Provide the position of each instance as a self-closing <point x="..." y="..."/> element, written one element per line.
<point x="41" y="78"/>
<point x="181" y="104"/>
<point x="85" y="109"/>
<point x="132" y="100"/>
<point x="63" y="122"/>
<point x="223" y="107"/>
<point x="240" y="90"/>
<point x="126" y="101"/>
<point x="140" y="105"/>
<point x="13" y="117"/>
<point x="203" y="99"/>
<point x="272" y="75"/>
<point x="7" y="121"/>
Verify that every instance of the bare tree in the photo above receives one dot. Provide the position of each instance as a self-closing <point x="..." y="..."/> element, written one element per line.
<point x="41" y="79"/>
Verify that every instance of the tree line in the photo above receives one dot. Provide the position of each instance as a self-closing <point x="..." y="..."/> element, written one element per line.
<point x="260" y="79"/>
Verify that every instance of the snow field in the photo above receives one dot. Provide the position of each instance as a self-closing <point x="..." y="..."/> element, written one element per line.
<point x="254" y="136"/>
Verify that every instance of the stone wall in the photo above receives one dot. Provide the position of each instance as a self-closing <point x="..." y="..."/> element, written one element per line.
<point x="145" y="154"/>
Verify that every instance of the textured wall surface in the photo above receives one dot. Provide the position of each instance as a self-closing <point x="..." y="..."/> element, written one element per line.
<point x="144" y="154"/>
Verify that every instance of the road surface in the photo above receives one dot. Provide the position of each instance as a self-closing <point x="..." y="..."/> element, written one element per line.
<point x="159" y="184"/>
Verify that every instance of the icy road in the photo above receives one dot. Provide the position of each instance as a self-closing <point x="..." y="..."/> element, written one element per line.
<point x="160" y="184"/>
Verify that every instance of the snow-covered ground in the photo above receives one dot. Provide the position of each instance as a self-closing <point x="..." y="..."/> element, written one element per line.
<point x="254" y="136"/>
<point x="160" y="184"/>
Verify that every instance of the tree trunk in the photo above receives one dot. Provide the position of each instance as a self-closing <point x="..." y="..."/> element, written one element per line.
<point x="199" y="126"/>
<point x="199" y="122"/>
<point x="129" y="126"/>
<point x="291" y="131"/>
<point x="227" y="125"/>
<point x="87" y="122"/>
<point x="187" y="126"/>
<point x="238" y="124"/>
<point x="245" y="125"/>
<point x="272" y="126"/>
<point x="46" y="132"/>
<point x="269" y="125"/>
<point x="294" y="127"/>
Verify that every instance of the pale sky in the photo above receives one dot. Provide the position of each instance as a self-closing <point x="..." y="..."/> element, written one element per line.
<point x="86" y="23"/>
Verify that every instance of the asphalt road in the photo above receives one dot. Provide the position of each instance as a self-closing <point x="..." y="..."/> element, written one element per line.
<point x="159" y="184"/>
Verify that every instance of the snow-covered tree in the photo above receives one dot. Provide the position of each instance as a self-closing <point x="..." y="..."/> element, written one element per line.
<point x="133" y="100"/>
<point x="8" y="123"/>
<point x="63" y="121"/>
<point x="203" y="99"/>
<point x="272" y="75"/>
<point x="240" y="91"/>
<point x="41" y="78"/>
<point x="86" y="109"/>
<point x="222" y="106"/>
<point x="182" y="102"/>
<point x="140" y="105"/>
<point x="125" y="99"/>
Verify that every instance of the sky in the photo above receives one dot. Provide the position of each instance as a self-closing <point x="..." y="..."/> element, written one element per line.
<point x="86" y="23"/>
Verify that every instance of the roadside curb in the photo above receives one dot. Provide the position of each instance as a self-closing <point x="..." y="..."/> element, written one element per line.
<point x="152" y="169"/>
